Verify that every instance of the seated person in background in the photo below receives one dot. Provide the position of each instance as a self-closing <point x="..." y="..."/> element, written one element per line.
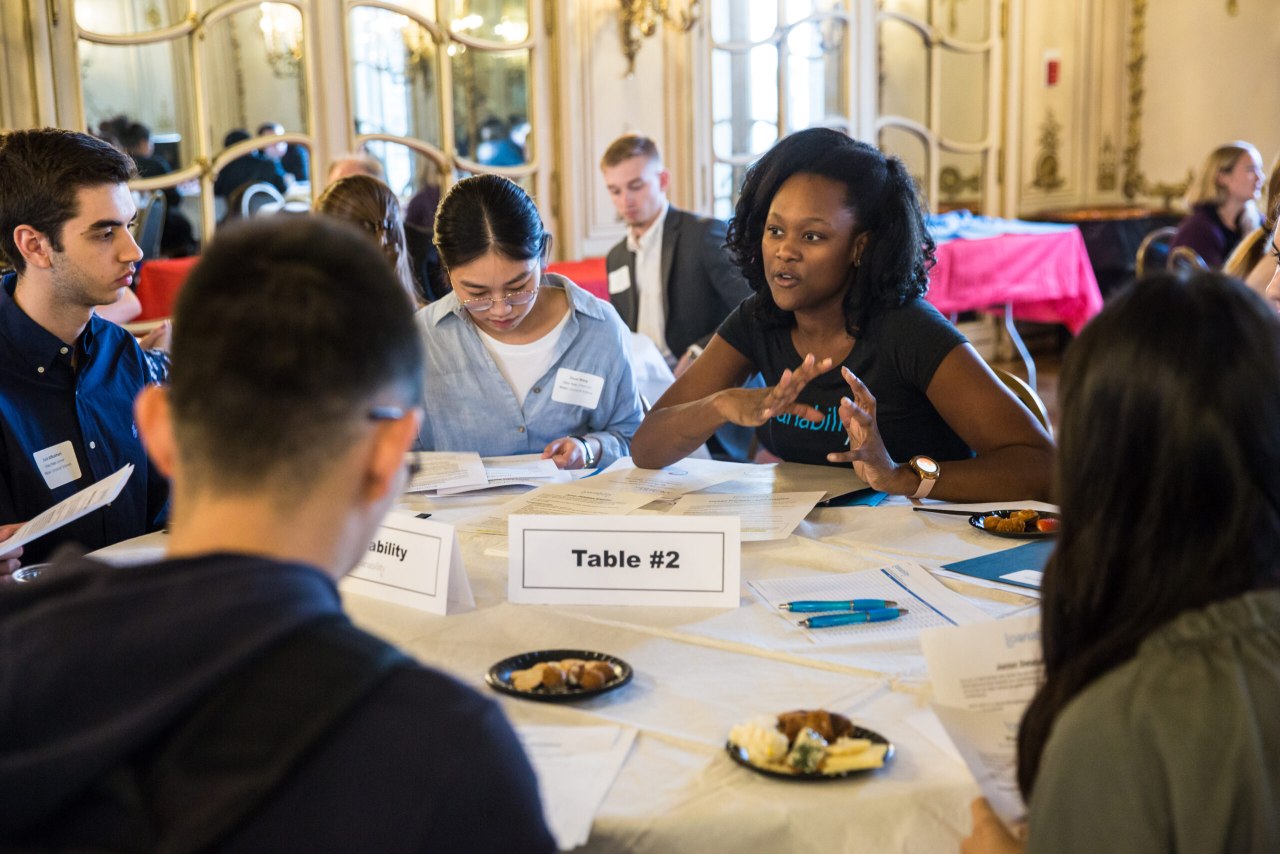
<point x="1272" y="291"/>
<point x="251" y="168"/>
<point x="420" y="229"/>
<point x="829" y="235"/>
<point x="178" y="239"/>
<point x="678" y="283"/>
<point x="1252" y="260"/>
<point x="68" y="378"/>
<point x="1155" y="728"/>
<point x="496" y="147"/>
<point x="293" y="158"/>
<point x="241" y="710"/>
<point x="369" y="204"/>
<point x="527" y="361"/>
<point x="360" y="163"/>
<point x="1222" y="202"/>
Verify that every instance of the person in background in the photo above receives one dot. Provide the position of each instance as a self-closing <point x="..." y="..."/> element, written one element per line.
<point x="1154" y="728"/>
<point x="360" y="163"/>
<point x="68" y="378"/>
<point x="220" y="699"/>
<point x="1253" y="260"/>
<point x="496" y="147"/>
<point x="1222" y="202"/>
<point x="369" y="204"/>
<point x="420" y="229"/>
<point x="178" y="238"/>
<point x="829" y="234"/>
<point x="528" y="361"/>
<point x="670" y="278"/>
<point x="293" y="158"/>
<point x="251" y="168"/>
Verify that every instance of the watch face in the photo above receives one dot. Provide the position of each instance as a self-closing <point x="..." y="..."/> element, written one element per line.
<point x="926" y="466"/>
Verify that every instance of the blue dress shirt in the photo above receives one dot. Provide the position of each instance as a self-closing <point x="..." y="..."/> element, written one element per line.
<point x="44" y="403"/>
<point x="470" y="406"/>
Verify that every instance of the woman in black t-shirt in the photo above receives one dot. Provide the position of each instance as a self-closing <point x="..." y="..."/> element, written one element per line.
<point x="829" y="234"/>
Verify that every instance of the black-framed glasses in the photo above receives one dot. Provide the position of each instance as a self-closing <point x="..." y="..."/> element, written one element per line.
<point x="483" y="304"/>
<point x="395" y="413"/>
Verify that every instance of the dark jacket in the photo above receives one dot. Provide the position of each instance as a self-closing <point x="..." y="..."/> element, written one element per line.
<point x="702" y="284"/>
<point x="100" y="664"/>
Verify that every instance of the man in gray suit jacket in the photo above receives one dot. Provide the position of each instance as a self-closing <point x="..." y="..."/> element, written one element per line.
<point x="670" y="278"/>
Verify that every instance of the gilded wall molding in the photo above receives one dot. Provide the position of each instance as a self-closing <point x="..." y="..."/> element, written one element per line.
<point x="1135" y="182"/>
<point x="1047" y="175"/>
<point x="1107" y="166"/>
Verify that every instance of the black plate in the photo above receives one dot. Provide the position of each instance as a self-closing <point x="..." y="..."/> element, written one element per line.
<point x="739" y="755"/>
<point x="499" y="676"/>
<point x="976" y="521"/>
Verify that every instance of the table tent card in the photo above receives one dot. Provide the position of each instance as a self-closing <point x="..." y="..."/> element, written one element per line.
<point x="624" y="560"/>
<point x="414" y="562"/>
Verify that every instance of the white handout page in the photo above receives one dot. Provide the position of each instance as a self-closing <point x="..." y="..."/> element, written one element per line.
<point x="443" y="469"/>
<point x="771" y="516"/>
<point x="575" y="766"/>
<point x="984" y="675"/>
<point x="687" y="475"/>
<point x="579" y="498"/>
<point x="69" y="509"/>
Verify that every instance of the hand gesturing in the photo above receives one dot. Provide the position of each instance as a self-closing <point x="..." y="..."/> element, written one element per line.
<point x="751" y="407"/>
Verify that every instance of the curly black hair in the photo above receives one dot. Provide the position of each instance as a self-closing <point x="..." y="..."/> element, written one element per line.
<point x="883" y="198"/>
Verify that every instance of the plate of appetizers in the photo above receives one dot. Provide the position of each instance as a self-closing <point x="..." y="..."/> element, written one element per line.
<point x="807" y="745"/>
<point x="1017" y="524"/>
<point x="558" y="675"/>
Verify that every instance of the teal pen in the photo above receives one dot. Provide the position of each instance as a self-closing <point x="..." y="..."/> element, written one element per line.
<point x="809" y="606"/>
<point x="878" y="615"/>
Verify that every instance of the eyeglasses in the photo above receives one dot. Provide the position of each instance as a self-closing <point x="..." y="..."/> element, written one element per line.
<point x="394" y="413"/>
<point x="483" y="304"/>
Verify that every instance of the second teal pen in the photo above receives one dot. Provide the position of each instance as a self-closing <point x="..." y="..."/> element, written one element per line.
<point x="878" y="615"/>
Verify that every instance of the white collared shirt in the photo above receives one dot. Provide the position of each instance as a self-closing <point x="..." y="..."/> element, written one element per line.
<point x="651" y="317"/>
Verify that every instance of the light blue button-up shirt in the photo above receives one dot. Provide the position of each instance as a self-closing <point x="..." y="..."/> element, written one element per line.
<point x="470" y="406"/>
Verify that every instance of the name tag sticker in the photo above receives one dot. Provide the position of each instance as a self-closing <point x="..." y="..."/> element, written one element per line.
<point x="413" y="562"/>
<point x="58" y="464"/>
<point x="620" y="280"/>
<point x="577" y="389"/>
<point x="624" y="560"/>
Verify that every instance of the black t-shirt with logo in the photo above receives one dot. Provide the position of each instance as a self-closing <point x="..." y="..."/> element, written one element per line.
<point x="896" y="359"/>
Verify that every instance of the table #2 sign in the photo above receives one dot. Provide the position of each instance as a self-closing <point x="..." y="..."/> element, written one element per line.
<point x="413" y="562"/>
<point x="624" y="560"/>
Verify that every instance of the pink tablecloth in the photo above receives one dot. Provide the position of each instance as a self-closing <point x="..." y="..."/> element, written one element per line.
<point x="1046" y="277"/>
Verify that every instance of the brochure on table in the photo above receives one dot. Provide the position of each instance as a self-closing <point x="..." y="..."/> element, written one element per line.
<point x="414" y="562"/>
<point x="624" y="560"/>
<point x="983" y="676"/>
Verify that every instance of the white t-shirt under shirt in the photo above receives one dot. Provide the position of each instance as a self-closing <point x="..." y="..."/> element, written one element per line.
<point x="522" y="365"/>
<point x="651" y="312"/>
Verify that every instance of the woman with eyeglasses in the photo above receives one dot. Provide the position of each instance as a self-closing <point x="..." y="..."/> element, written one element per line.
<point x="859" y="368"/>
<point x="519" y="360"/>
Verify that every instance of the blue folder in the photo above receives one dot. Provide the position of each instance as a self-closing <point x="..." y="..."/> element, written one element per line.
<point x="992" y="567"/>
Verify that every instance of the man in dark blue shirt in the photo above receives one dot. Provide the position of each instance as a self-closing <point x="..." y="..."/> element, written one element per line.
<point x="68" y="378"/>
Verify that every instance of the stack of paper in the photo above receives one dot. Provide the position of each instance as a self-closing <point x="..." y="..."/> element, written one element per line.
<point x="575" y="765"/>
<point x="772" y="516"/>
<point x="688" y="475"/>
<point x="452" y="473"/>
<point x="580" y="498"/>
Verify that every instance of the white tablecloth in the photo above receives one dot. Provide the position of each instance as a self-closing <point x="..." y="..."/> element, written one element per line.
<point x="700" y="671"/>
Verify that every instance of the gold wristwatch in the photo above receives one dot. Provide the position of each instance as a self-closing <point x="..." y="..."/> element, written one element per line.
<point x="928" y="470"/>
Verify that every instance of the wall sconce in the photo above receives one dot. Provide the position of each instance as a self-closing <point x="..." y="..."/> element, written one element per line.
<point x="281" y="26"/>
<point x="643" y="17"/>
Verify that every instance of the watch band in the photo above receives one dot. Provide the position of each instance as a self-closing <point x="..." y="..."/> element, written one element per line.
<point x="928" y="471"/>
<point x="588" y="458"/>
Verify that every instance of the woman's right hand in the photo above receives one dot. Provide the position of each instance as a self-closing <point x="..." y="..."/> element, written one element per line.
<point x="751" y="407"/>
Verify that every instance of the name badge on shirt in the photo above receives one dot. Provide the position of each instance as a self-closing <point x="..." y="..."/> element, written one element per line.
<point x="577" y="389"/>
<point x="620" y="280"/>
<point x="58" y="464"/>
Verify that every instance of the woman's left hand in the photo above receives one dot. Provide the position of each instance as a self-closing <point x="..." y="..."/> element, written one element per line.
<point x="989" y="835"/>
<point x="566" y="453"/>
<point x="866" y="451"/>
